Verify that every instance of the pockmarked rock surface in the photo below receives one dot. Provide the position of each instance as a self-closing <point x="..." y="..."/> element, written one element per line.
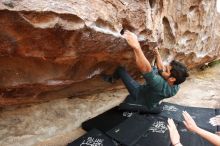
<point x="57" y="122"/>
<point x="58" y="48"/>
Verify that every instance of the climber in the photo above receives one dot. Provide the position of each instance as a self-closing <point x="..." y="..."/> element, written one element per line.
<point x="161" y="81"/>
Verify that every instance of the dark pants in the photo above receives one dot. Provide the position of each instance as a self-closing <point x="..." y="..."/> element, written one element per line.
<point x="132" y="86"/>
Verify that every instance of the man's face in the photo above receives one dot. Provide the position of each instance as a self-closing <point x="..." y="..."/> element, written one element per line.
<point x="166" y="73"/>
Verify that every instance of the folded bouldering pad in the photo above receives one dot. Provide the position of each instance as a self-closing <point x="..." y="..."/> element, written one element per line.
<point x="217" y="112"/>
<point x="173" y="111"/>
<point x="200" y="115"/>
<point x="129" y="131"/>
<point x="157" y="133"/>
<point x="107" y="120"/>
<point x="141" y="130"/>
<point x="188" y="138"/>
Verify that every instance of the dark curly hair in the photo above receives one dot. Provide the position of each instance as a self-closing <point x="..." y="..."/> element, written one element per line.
<point x="178" y="71"/>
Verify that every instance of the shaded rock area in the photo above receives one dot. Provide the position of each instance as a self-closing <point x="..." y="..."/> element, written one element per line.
<point x="53" y="49"/>
<point x="57" y="122"/>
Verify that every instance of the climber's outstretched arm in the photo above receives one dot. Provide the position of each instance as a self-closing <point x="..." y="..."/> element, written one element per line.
<point x="159" y="61"/>
<point x="141" y="61"/>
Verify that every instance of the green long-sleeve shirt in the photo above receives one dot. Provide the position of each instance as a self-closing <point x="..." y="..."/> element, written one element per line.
<point x="156" y="88"/>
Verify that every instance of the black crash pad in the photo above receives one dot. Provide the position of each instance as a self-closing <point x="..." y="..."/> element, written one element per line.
<point x="107" y="120"/>
<point x="157" y="133"/>
<point x="141" y="130"/>
<point x="217" y="112"/>
<point x="134" y="130"/>
<point x="173" y="111"/>
<point x="188" y="138"/>
<point x="93" y="138"/>
<point x="113" y="117"/>
<point x="129" y="132"/>
<point x="200" y="115"/>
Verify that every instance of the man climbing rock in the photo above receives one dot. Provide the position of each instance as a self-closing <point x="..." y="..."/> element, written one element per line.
<point x="161" y="81"/>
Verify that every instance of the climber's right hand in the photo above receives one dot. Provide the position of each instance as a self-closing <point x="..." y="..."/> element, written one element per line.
<point x="132" y="39"/>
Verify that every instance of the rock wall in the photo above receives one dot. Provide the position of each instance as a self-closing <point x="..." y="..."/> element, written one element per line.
<point x="54" y="49"/>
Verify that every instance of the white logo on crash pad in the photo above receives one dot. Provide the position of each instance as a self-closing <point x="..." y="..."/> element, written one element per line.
<point x="170" y="108"/>
<point x="92" y="142"/>
<point x="158" y="127"/>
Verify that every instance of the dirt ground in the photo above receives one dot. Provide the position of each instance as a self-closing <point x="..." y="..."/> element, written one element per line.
<point x="57" y="122"/>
